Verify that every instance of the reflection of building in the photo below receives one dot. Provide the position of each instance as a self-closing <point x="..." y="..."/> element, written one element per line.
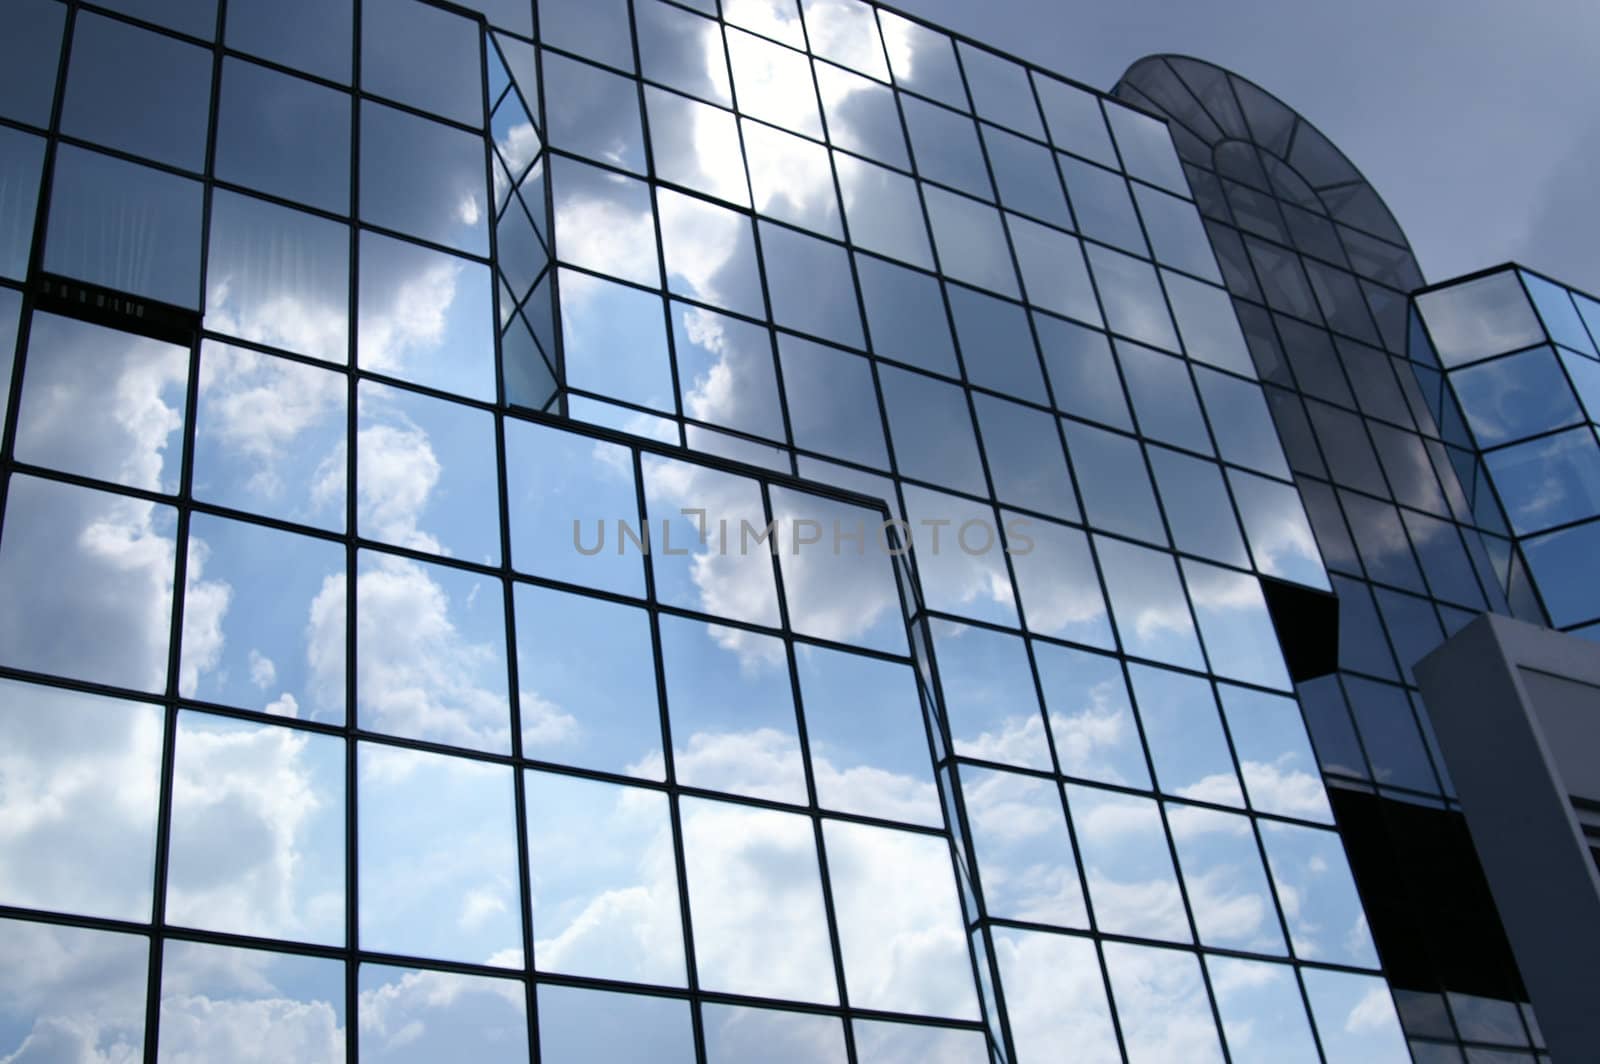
<point x="322" y="735"/>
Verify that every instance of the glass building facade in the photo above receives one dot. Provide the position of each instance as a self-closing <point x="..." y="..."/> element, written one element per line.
<point x="625" y="530"/>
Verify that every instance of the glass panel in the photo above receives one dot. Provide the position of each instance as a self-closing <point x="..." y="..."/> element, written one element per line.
<point x="970" y="241"/>
<point x="755" y="897"/>
<point x="1178" y="239"/>
<point x="587" y="691"/>
<point x="1564" y="564"/>
<point x="1239" y="635"/>
<point x="869" y="753"/>
<point x="733" y="718"/>
<point x="1116" y="486"/>
<point x="426" y="317"/>
<point x="410" y="1016"/>
<point x="1196" y="503"/>
<point x="736" y="584"/>
<point x="735" y="1034"/>
<point x="1091" y="719"/>
<point x="237" y="1003"/>
<point x="88" y="999"/>
<point x="92" y="564"/>
<point x="832" y="405"/>
<point x="881" y="1042"/>
<point x="883" y="211"/>
<point x="946" y="148"/>
<point x="1025" y="457"/>
<point x="423" y="178"/>
<point x="615" y="341"/>
<point x="1026" y="176"/>
<point x="1000" y="90"/>
<point x="102" y="214"/>
<point x="682" y="50"/>
<point x="989" y="697"/>
<point x="1132" y="885"/>
<point x="1227" y="886"/>
<point x="996" y="346"/>
<point x="1083" y="375"/>
<point x="1132" y="298"/>
<point x="1163" y="397"/>
<point x="845" y="32"/>
<point x="966" y="583"/>
<point x="1263" y="1015"/>
<point x="1280" y="536"/>
<point x="774" y="84"/>
<point x="598" y="114"/>
<point x="1075" y="121"/>
<point x="1055" y="996"/>
<point x="862" y="116"/>
<point x="1394" y="744"/>
<point x="932" y="431"/>
<point x="102" y="403"/>
<point x="610" y="1028"/>
<point x="80" y="776"/>
<point x="1275" y="756"/>
<point x="605" y="886"/>
<point x="725" y="373"/>
<point x="1148" y="604"/>
<point x="604" y="222"/>
<point x="21" y="157"/>
<point x="899" y="921"/>
<point x="1056" y="578"/>
<point x="791" y="178"/>
<point x="270" y="436"/>
<point x="1162" y="1002"/>
<point x="1318" y="895"/>
<point x="1207" y="323"/>
<point x="1187" y="744"/>
<point x="838" y="583"/>
<point x="141" y="92"/>
<point x="695" y="145"/>
<point x="777" y="19"/>
<point x="1477" y="319"/>
<point x="710" y="253"/>
<point x="1025" y="855"/>
<point x="29" y="57"/>
<point x="595" y="29"/>
<point x="309" y="35"/>
<point x="809" y="282"/>
<point x="922" y="59"/>
<point x="1101" y="202"/>
<point x="284" y="135"/>
<point x="420" y="55"/>
<point x="278" y="277"/>
<point x="906" y="316"/>
<point x="1513" y="398"/>
<point x="1549" y="481"/>
<point x="1146" y="148"/>
<point x="1355" y="1017"/>
<point x="453" y="817"/>
<point x="10" y="316"/>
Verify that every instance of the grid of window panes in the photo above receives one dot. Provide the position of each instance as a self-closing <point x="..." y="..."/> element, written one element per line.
<point x="325" y="741"/>
<point x="1319" y="274"/>
<point x="1519" y="355"/>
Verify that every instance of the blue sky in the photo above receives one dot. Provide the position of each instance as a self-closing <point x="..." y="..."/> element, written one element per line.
<point x="1472" y="118"/>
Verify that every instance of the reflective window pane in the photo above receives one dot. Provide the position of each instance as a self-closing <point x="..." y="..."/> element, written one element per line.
<point x="599" y="113"/>
<point x="735" y="1034"/>
<point x="1472" y="321"/>
<point x="1187" y="744"/>
<point x="1000" y="90"/>
<point x="615" y="340"/>
<point x="1083" y="375"/>
<point x="28" y="59"/>
<point x="425" y="316"/>
<point x="694" y="144"/>
<point x="1133" y="888"/>
<point x="1111" y="473"/>
<point x="832" y="405"/>
<point x="774" y="84"/>
<point x="89" y="998"/>
<point x="996" y="346"/>
<point x="1239" y="635"/>
<point x="423" y="178"/>
<point x="1101" y="202"/>
<point x="309" y="35"/>
<point x="1025" y="856"/>
<point x="1026" y="176"/>
<point x="1263" y="1016"/>
<point x="1280" y="772"/>
<point x="278" y="277"/>
<point x="605" y="887"/>
<point x="756" y="901"/>
<point x="1318" y="895"/>
<point x="883" y="210"/>
<point x="922" y="59"/>
<point x="1148" y="603"/>
<point x="725" y="371"/>
<point x="710" y="253"/>
<point x="1132" y="298"/>
<point x="80" y="775"/>
<point x="1161" y="1000"/>
<point x="1055" y="996"/>
<point x="585" y="699"/>
<point x="861" y="114"/>
<point x="838" y="582"/>
<point x="1091" y="719"/>
<point x="683" y="51"/>
<point x="931" y="425"/>
<point x="791" y="178"/>
<point x="1513" y="398"/>
<point x="1554" y="480"/>
<point x="1227" y="885"/>
<point x="881" y="1042"/>
<point x="906" y="316"/>
<point x="969" y="583"/>
<point x="970" y="241"/>
<point x="1146" y="148"/>
<point x="946" y="148"/>
<point x="1075" y="121"/>
<point x="899" y="921"/>
<point x="1279" y="533"/>
<point x="988" y="694"/>
<point x="809" y="281"/>
<point x="1177" y="237"/>
<point x="1057" y="582"/>
<point x="21" y="157"/>
<point x="96" y="565"/>
<point x="138" y="91"/>
<point x="284" y="136"/>
<point x="1025" y="457"/>
<point x="604" y="1027"/>
<point x="409" y="1016"/>
<point x="219" y="1001"/>
<point x="1196" y="502"/>
<point x="420" y="55"/>
<point x="1355" y="1017"/>
<point x="1164" y="400"/>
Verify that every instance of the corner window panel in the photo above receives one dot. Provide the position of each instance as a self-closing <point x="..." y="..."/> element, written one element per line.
<point x="1176" y="235"/>
<point x="452" y="816"/>
<point x="1057" y="582"/>
<point x="1513" y="398"/>
<point x="908" y="955"/>
<point x="864" y="727"/>
<point x="264" y="620"/>
<point x="1133" y="888"/>
<point x="615" y="340"/>
<point x="1318" y="895"/>
<point x="1477" y="319"/>
<point x="141" y="92"/>
<point x="93" y="564"/>
<point x="425" y="316"/>
<point x="832" y="404"/>
<point x="102" y="403"/>
<point x="82" y="774"/>
<point x="1148" y="603"/>
<point x="988" y="693"/>
<point x="431" y="653"/>
<point x="423" y="178"/>
<point x="44" y="1004"/>
<point x="102" y="214"/>
<point x="755" y="895"/>
<point x="408" y="1015"/>
<point x="733" y="717"/>
<point x="1234" y="624"/>
<point x="587" y="693"/>
<point x="1025" y="855"/>
<point x="605" y="886"/>
<point x="1146" y="148"/>
<point x="270" y="436"/>
<point x="278" y="277"/>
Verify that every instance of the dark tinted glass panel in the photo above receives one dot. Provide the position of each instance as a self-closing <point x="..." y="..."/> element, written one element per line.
<point x="21" y="156"/>
<point x="29" y="53"/>
<point x="594" y="29"/>
<point x="599" y="112"/>
<point x="1082" y="372"/>
<point x="996" y="346"/>
<point x="284" y="136"/>
<point x="310" y="35"/>
<point x="417" y="54"/>
<point x="906" y="316"/>
<point x="1116" y="488"/>
<point x="423" y="178"/>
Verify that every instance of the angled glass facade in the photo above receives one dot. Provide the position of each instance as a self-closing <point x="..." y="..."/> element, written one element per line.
<point x="627" y="530"/>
